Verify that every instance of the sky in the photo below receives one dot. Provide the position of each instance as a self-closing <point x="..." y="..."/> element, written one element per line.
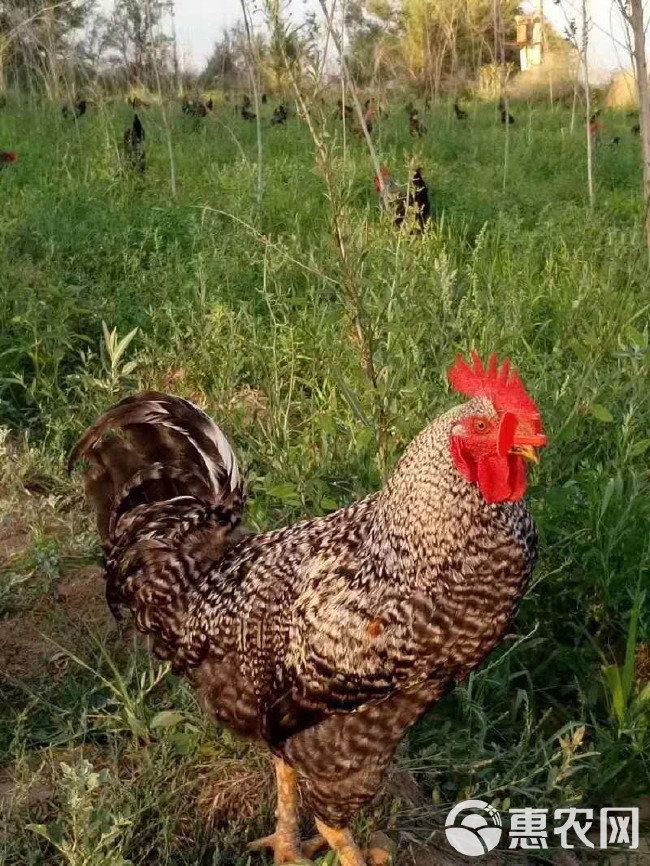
<point x="199" y="24"/>
<point x="607" y="37"/>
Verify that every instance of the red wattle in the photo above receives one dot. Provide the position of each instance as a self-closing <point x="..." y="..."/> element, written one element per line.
<point x="494" y="478"/>
<point x="500" y="479"/>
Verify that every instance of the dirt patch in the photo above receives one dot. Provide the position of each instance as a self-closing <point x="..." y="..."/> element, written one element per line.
<point x="232" y="789"/>
<point x="28" y="641"/>
<point x="14" y="540"/>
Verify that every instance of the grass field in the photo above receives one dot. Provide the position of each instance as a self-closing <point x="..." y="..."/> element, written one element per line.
<point x="248" y="308"/>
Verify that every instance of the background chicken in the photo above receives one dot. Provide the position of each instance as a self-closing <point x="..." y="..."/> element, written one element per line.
<point x="246" y="109"/>
<point x="133" y="145"/>
<point x="460" y="113"/>
<point x="416" y="127"/>
<point x="194" y="107"/>
<point x="506" y="118"/>
<point x="7" y="157"/>
<point x="280" y="115"/>
<point x="325" y="640"/>
<point x="397" y="202"/>
<point x="76" y="109"/>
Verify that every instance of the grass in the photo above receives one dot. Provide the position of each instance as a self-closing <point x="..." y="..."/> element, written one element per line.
<point x="248" y="310"/>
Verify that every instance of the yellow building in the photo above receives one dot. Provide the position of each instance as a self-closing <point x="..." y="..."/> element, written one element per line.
<point x="529" y="40"/>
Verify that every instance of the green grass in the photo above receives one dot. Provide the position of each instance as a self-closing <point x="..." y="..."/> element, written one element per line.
<point x="246" y="307"/>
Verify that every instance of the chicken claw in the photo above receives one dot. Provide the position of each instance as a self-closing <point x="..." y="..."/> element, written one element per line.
<point x="285" y="842"/>
<point x="343" y="843"/>
<point x="286" y="849"/>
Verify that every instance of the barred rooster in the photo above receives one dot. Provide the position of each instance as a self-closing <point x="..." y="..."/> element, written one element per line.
<point x="325" y="640"/>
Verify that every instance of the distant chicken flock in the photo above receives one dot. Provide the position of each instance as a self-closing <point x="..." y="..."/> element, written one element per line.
<point x="361" y="121"/>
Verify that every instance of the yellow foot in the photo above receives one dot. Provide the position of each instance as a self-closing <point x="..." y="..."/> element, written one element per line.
<point x="341" y="841"/>
<point x="285" y="848"/>
<point x="290" y="850"/>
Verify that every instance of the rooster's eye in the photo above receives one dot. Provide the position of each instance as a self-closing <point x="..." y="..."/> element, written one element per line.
<point x="480" y="426"/>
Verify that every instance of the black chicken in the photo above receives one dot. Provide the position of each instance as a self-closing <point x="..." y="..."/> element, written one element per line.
<point x="506" y="117"/>
<point x="246" y="109"/>
<point x="416" y="127"/>
<point x="279" y="116"/>
<point x="194" y="108"/>
<point x="77" y="109"/>
<point x="459" y="112"/>
<point x="398" y="203"/>
<point x="133" y="145"/>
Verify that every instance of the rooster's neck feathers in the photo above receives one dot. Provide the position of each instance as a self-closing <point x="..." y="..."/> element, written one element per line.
<point x="422" y="514"/>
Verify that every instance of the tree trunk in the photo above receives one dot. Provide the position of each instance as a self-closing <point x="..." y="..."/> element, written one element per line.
<point x="641" y="73"/>
<point x="585" y="68"/>
<point x="503" y="92"/>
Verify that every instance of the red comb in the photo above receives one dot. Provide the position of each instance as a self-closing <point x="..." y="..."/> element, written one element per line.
<point x="503" y="387"/>
<point x="9" y="156"/>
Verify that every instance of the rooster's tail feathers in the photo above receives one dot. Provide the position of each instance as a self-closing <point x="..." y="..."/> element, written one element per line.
<point x="162" y="448"/>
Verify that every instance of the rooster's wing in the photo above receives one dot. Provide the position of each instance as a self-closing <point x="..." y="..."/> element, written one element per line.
<point x="357" y="639"/>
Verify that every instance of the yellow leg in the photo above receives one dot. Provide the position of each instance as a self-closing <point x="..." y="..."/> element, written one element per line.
<point x="342" y="842"/>
<point x="285" y="842"/>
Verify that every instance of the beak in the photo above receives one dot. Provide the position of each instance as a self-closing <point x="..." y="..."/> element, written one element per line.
<point x="525" y="451"/>
<point x="526" y="446"/>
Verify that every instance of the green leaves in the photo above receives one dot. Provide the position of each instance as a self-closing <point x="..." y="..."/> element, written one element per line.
<point x="166" y="719"/>
<point x="115" y="348"/>
<point x="286" y="493"/>
<point x="86" y="833"/>
<point x="601" y="413"/>
<point x="639" y="448"/>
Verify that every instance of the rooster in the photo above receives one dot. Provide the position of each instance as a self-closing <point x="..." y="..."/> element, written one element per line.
<point x="396" y="202"/>
<point x="7" y="157"/>
<point x="329" y="639"/>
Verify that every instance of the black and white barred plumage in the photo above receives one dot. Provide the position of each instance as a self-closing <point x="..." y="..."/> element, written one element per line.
<point x="326" y="640"/>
